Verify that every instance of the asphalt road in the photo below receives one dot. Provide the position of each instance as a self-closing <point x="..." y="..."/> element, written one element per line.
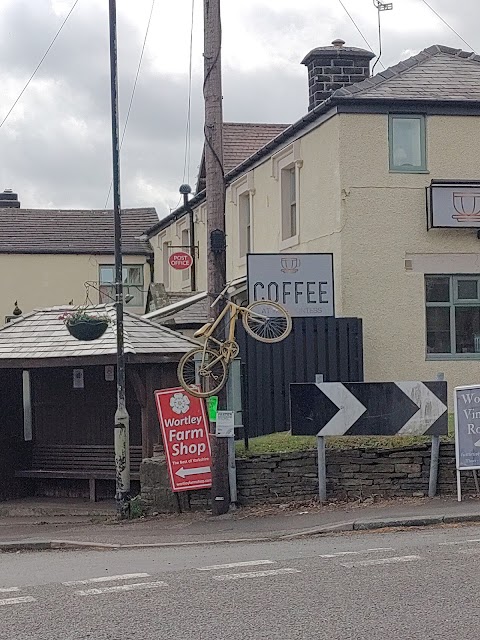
<point x="417" y="584"/>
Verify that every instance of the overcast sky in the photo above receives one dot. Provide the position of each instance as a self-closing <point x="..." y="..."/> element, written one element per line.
<point x="55" y="148"/>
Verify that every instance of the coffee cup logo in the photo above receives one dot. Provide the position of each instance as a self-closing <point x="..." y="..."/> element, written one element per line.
<point x="290" y="265"/>
<point x="467" y="206"/>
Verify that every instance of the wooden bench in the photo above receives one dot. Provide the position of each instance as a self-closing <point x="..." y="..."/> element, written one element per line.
<point x="89" y="462"/>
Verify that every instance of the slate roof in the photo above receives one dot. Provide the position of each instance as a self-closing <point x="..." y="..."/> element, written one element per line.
<point x="436" y="73"/>
<point x="73" y="231"/>
<point x="240" y="141"/>
<point x="42" y="335"/>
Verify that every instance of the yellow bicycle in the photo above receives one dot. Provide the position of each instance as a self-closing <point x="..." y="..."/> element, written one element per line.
<point x="203" y="371"/>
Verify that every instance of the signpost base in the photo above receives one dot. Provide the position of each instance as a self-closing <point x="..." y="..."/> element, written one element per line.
<point x="322" y="469"/>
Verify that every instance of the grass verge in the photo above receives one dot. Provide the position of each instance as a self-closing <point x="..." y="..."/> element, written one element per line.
<point x="284" y="442"/>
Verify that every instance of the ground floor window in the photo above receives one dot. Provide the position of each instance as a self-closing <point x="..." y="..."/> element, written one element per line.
<point x="132" y="285"/>
<point x="453" y="315"/>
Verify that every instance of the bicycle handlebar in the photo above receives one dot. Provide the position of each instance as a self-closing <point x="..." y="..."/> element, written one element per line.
<point x="220" y="295"/>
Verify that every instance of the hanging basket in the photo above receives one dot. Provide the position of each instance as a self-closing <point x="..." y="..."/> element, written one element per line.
<point x="90" y="329"/>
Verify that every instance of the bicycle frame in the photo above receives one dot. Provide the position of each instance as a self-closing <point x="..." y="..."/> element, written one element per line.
<point x="234" y="310"/>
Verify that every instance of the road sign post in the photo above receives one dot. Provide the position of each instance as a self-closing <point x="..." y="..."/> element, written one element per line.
<point x="185" y="433"/>
<point x="321" y="458"/>
<point x="434" y="457"/>
<point x="467" y="433"/>
<point x="225" y="428"/>
<point x="367" y="409"/>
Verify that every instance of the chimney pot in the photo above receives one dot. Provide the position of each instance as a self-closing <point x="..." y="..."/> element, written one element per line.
<point x="334" y="67"/>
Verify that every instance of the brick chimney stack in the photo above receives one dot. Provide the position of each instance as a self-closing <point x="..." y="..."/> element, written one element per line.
<point x="334" y="67"/>
<point x="9" y="200"/>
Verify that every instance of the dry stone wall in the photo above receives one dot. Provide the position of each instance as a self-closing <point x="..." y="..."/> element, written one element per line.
<point x="351" y="474"/>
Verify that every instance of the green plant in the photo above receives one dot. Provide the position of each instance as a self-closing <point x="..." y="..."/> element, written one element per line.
<point x="83" y="315"/>
<point x="137" y="508"/>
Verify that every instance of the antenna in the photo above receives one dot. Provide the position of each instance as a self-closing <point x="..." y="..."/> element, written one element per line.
<point x="380" y="6"/>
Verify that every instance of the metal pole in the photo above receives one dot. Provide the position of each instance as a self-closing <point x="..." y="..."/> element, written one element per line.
<point x="215" y="187"/>
<point x="432" y="485"/>
<point x="122" y="448"/>
<point x="232" y="470"/>
<point x="322" y="469"/>
<point x="185" y="189"/>
<point x="321" y="460"/>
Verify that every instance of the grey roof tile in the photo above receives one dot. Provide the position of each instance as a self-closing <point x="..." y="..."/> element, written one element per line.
<point x="79" y="231"/>
<point x="437" y="73"/>
<point x="41" y="334"/>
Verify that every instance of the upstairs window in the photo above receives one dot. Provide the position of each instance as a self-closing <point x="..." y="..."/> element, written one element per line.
<point x="289" y="202"/>
<point x="132" y="284"/>
<point x="244" y="223"/>
<point x="165" y="265"/>
<point x="407" y="148"/>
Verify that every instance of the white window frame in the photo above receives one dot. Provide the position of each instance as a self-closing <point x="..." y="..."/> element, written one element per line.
<point x="244" y="187"/>
<point x="452" y="304"/>
<point x="288" y="158"/>
<point x="126" y="286"/>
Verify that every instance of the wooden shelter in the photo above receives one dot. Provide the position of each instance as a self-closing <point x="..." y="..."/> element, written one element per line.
<point x="58" y="400"/>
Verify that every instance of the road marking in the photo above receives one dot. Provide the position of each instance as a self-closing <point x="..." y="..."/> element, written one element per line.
<point x="369" y="563"/>
<point x="255" y="574"/>
<point x="9" y="589"/>
<point x="232" y="565"/>
<point x="444" y="544"/>
<point x="19" y="600"/>
<point x="126" y="576"/>
<point x="121" y="587"/>
<point x="338" y="554"/>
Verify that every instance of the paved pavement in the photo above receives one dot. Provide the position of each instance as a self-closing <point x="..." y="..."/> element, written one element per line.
<point x="419" y="584"/>
<point x="243" y="524"/>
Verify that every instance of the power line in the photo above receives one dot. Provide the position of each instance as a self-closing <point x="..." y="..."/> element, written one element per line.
<point x="357" y="28"/>
<point x="39" y="64"/>
<point x="133" y="89"/>
<point x="186" y="163"/>
<point x="448" y="25"/>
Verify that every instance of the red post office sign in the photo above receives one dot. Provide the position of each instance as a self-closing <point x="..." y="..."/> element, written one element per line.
<point x="180" y="260"/>
<point x="185" y="433"/>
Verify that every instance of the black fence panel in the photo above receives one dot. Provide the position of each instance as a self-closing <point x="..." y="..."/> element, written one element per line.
<point x="331" y="346"/>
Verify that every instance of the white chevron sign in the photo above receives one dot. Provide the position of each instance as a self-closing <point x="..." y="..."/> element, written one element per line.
<point x="369" y="408"/>
<point x="430" y="408"/>
<point x="350" y="409"/>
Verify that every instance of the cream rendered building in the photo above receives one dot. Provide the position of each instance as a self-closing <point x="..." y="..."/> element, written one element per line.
<point x="352" y="177"/>
<point x="47" y="257"/>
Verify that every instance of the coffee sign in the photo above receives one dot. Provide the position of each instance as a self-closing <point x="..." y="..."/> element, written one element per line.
<point x="301" y="282"/>
<point x="454" y="205"/>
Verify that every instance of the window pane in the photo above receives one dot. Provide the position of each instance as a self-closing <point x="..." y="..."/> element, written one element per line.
<point x="107" y="275"/>
<point x="107" y="294"/>
<point x="467" y="329"/>
<point x="137" y="293"/>
<point x="437" y="289"/>
<point x="244" y="223"/>
<point x="438" y="330"/>
<point x="407" y="142"/>
<point x="135" y="275"/>
<point x="467" y="290"/>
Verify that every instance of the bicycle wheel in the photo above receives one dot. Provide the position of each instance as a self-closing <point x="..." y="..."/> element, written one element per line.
<point x="267" y="321"/>
<point x="202" y="372"/>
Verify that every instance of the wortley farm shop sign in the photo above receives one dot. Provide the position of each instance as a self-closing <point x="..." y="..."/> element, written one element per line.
<point x="185" y="433"/>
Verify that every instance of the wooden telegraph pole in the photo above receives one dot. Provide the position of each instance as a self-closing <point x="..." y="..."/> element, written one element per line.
<point x="215" y="186"/>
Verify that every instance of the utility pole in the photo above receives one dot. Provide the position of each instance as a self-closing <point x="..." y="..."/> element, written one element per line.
<point x="215" y="186"/>
<point x="122" y="445"/>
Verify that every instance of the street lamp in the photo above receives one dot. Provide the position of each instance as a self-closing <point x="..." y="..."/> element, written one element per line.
<point x="122" y="445"/>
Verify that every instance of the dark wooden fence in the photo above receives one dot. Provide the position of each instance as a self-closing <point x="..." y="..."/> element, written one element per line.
<point x="331" y="346"/>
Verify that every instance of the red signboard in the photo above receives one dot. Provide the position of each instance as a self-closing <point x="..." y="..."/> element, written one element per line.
<point x="180" y="260"/>
<point x="186" y="439"/>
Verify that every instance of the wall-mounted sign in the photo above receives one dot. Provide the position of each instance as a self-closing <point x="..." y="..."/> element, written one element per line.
<point x="225" y="424"/>
<point x="78" y="379"/>
<point x="109" y="373"/>
<point x="180" y="260"/>
<point x="454" y="205"/>
<point x="467" y="431"/>
<point x="301" y="282"/>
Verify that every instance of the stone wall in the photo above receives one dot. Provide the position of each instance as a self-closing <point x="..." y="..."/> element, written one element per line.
<point x="351" y="474"/>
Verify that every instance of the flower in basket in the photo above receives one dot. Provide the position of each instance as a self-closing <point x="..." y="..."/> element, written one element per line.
<point x="85" y="325"/>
